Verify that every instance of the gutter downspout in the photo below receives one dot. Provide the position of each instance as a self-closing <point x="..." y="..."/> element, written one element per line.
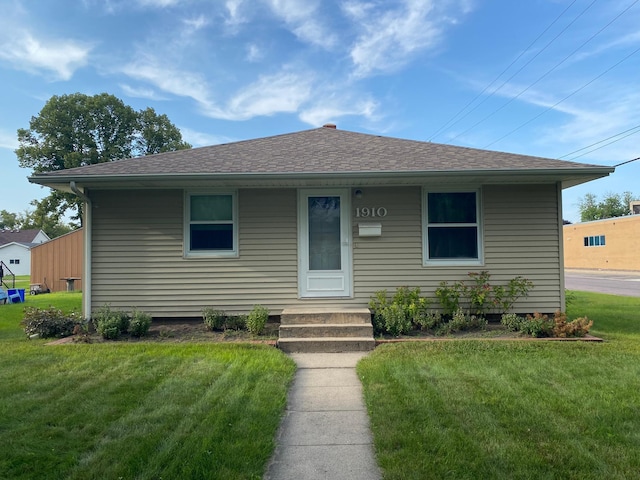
<point x="86" y="281"/>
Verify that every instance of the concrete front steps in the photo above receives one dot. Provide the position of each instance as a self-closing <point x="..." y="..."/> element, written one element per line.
<point x="326" y="330"/>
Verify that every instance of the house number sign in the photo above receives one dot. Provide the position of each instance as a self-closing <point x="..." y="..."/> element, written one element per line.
<point x="370" y="212"/>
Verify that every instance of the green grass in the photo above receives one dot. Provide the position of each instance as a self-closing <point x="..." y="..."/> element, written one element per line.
<point x="483" y="409"/>
<point x="143" y="410"/>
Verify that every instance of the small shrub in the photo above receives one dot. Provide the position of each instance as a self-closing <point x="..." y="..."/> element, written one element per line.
<point x="110" y="324"/>
<point x="538" y="325"/>
<point x="396" y="321"/>
<point x="512" y="321"/>
<point x="377" y="304"/>
<point x="505" y="297"/>
<point x="399" y="314"/>
<point x="576" y="328"/>
<point x="214" y="319"/>
<point x="109" y="327"/>
<point x="461" y="322"/>
<point x="449" y="296"/>
<point x="257" y="319"/>
<point x="430" y="321"/>
<point x="235" y="322"/>
<point x="49" y="323"/>
<point x="479" y="293"/>
<point x="139" y="324"/>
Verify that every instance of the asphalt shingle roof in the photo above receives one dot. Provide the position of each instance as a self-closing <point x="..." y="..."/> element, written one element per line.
<point x="317" y="151"/>
<point x="18" y="236"/>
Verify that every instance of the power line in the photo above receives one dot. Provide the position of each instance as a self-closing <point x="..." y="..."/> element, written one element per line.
<point x="546" y="73"/>
<point x="565" y="98"/>
<point x="600" y="141"/>
<point x="605" y="145"/>
<point x="508" y="67"/>
<point x="628" y="161"/>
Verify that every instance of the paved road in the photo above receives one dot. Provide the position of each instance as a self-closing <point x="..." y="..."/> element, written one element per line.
<point x="604" y="281"/>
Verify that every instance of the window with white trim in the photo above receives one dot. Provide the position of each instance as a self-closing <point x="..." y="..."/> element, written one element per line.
<point x="452" y="227"/>
<point x="211" y="224"/>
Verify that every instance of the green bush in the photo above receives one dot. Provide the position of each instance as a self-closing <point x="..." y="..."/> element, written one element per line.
<point x="537" y="325"/>
<point x="235" y="322"/>
<point x="257" y="319"/>
<point x="460" y="322"/>
<point x="49" y="323"/>
<point x="398" y="315"/>
<point x="214" y="319"/>
<point x="377" y="304"/>
<point x="110" y="324"/>
<point x="512" y="321"/>
<point x="396" y="321"/>
<point x="480" y="296"/>
<point x="430" y="321"/>
<point x="139" y="324"/>
<point x="449" y="296"/>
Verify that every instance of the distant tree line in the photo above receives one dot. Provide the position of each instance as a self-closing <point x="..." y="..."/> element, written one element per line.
<point x="612" y="205"/>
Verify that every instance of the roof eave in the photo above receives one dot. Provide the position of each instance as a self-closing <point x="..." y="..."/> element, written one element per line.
<point x="568" y="177"/>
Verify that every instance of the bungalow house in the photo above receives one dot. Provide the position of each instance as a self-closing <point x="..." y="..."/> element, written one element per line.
<point x="15" y="249"/>
<point x="318" y="218"/>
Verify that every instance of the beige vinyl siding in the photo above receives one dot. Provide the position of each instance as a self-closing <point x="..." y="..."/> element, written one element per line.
<point x="138" y="256"/>
<point x="520" y="228"/>
<point x="138" y="259"/>
<point x="522" y="237"/>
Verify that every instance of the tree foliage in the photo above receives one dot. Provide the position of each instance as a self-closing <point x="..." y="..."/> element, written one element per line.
<point x="48" y="223"/>
<point x="77" y="130"/>
<point x="612" y="205"/>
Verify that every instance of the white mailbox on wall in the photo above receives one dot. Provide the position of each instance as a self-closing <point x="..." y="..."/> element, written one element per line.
<point x="369" y="229"/>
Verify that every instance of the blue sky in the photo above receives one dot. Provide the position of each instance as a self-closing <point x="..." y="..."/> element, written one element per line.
<point x="542" y="77"/>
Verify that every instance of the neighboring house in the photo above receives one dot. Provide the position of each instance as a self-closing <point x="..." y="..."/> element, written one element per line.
<point x="322" y="217"/>
<point x="15" y="248"/>
<point x="610" y="244"/>
<point x="59" y="259"/>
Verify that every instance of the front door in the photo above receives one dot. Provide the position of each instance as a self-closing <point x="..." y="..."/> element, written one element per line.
<point x="324" y="243"/>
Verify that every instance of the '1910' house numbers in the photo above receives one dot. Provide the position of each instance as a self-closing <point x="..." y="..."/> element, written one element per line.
<point x="371" y="212"/>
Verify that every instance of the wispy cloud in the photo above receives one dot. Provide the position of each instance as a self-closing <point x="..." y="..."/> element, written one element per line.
<point x="141" y="92"/>
<point x="59" y="58"/>
<point x="254" y="52"/>
<point x="158" y="3"/>
<point x="201" y="139"/>
<point x="334" y="107"/>
<point x="283" y="92"/>
<point x="233" y="10"/>
<point x="169" y="79"/>
<point x="196" y="23"/>
<point x="8" y="140"/>
<point x="303" y="19"/>
<point x="389" y="37"/>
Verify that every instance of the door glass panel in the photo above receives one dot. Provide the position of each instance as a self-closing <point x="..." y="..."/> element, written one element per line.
<point x="324" y="233"/>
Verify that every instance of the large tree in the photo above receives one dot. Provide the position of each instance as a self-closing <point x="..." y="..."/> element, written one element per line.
<point x="76" y="130"/>
<point x="612" y="205"/>
<point x="49" y="224"/>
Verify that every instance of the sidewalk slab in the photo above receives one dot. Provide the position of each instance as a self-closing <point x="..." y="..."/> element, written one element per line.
<point x="325" y="433"/>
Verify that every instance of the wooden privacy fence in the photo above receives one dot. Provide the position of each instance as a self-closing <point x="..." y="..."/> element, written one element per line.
<point x="54" y="261"/>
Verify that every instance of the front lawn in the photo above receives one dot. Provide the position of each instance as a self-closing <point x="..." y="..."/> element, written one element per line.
<point x="135" y="410"/>
<point x="512" y="409"/>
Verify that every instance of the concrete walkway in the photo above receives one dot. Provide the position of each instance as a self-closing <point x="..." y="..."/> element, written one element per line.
<point x="325" y="432"/>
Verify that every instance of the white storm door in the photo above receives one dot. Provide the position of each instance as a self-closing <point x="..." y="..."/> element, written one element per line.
<point x="324" y="243"/>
